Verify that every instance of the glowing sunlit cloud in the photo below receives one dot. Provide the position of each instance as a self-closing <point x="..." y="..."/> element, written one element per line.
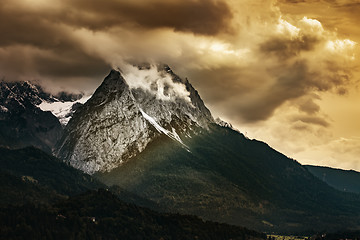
<point x="311" y="25"/>
<point x="284" y="27"/>
<point x="340" y="45"/>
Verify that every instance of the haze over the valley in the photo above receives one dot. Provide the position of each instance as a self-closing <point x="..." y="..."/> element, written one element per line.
<point x="285" y="72"/>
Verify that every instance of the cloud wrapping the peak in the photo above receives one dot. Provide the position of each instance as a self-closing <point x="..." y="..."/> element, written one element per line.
<point x="158" y="83"/>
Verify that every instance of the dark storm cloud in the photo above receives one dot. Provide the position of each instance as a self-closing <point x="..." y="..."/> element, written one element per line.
<point x="29" y="28"/>
<point x="290" y="84"/>
<point x="294" y="81"/>
<point x="40" y="27"/>
<point x="51" y="36"/>
<point x="205" y="17"/>
<point x="219" y="84"/>
<point x="43" y="28"/>
<point x="71" y="64"/>
<point x="46" y="47"/>
<point x="285" y="48"/>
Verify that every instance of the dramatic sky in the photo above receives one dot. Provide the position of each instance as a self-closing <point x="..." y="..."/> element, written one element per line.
<point x="285" y="72"/>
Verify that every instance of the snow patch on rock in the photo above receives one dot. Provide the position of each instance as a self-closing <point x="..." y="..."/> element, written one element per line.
<point x="173" y="135"/>
<point x="62" y="110"/>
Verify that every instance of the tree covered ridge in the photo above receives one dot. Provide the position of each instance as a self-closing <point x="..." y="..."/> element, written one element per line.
<point x="99" y="214"/>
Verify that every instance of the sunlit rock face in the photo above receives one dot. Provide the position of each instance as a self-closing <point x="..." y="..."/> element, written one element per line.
<point x="126" y="113"/>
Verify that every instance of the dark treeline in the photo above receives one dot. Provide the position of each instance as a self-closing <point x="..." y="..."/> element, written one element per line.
<point x="101" y="215"/>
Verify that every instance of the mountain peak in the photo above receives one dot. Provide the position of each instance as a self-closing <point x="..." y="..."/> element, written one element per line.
<point x="112" y="80"/>
<point x="126" y="112"/>
<point x="112" y="85"/>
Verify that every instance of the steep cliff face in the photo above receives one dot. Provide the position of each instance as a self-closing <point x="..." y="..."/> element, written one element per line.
<point x="126" y="113"/>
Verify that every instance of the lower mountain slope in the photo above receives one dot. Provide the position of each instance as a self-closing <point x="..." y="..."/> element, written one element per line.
<point x="17" y="190"/>
<point x="29" y="126"/>
<point x="42" y="197"/>
<point x="343" y="180"/>
<point x="30" y="175"/>
<point x="101" y="215"/>
<point x="34" y="167"/>
<point x="229" y="178"/>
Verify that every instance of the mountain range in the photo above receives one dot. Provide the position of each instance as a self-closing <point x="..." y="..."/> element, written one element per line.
<point x="147" y="133"/>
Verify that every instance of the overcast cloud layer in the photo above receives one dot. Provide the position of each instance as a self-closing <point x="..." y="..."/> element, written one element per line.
<point x="266" y="66"/>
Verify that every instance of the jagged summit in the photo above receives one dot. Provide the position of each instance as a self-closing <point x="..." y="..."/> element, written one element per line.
<point x="127" y="112"/>
<point x="27" y="92"/>
<point x="112" y="86"/>
<point x="16" y="94"/>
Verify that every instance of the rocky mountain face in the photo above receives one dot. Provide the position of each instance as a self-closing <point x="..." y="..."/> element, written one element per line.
<point x="126" y="113"/>
<point x="28" y="116"/>
<point x="22" y="122"/>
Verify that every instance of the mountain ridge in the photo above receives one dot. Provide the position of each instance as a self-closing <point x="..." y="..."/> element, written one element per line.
<point x="235" y="180"/>
<point x="342" y="180"/>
